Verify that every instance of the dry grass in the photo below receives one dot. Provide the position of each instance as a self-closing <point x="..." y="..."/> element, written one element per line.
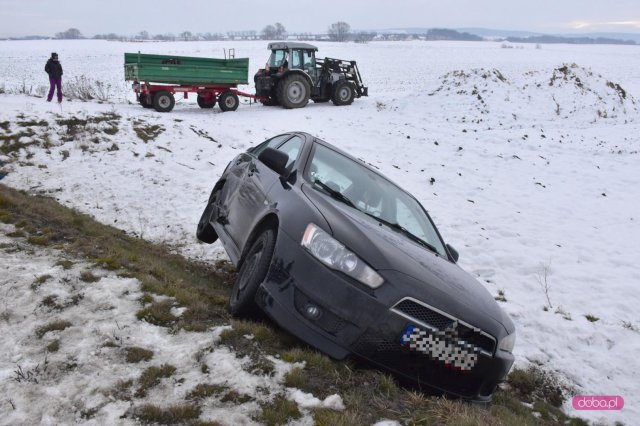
<point x="52" y="326"/>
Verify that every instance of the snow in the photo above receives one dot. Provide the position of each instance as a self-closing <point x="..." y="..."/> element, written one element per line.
<point x="527" y="159"/>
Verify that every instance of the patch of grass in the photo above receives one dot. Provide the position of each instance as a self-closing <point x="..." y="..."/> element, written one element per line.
<point x="66" y="264"/>
<point x="173" y="414"/>
<point x="136" y="354"/>
<point x="5" y="125"/>
<point x="296" y="378"/>
<point x="236" y="397"/>
<point x="88" y="277"/>
<point x="52" y="326"/>
<point x="158" y="313"/>
<point x="279" y="411"/>
<point x="204" y="390"/>
<point x="262" y="366"/>
<point x="329" y="417"/>
<point x="151" y="377"/>
<point x="591" y="318"/>
<point x="53" y="346"/>
<point x="196" y="286"/>
<point x="146" y="298"/>
<point x="120" y="391"/>
<point x="18" y="233"/>
<point x="39" y="240"/>
<point x="32" y="122"/>
<point x="40" y="280"/>
<point x="147" y="132"/>
<point x="533" y="384"/>
<point x="5" y="216"/>
<point x="109" y="263"/>
<point x="51" y="302"/>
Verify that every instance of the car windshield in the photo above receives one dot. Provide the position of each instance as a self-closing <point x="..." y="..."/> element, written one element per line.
<point x="277" y="58"/>
<point x="355" y="185"/>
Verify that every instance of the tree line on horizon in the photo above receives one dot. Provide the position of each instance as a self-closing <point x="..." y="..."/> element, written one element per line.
<point x="338" y="31"/>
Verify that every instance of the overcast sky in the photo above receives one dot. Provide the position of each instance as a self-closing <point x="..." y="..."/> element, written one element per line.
<point x="46" y="17"/>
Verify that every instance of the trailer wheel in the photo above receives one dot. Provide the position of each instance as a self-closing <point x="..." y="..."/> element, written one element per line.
<point x="204" y="103"/>
<point x="163" y="101"/>
<point x="293" y="92"/>
<point x="228" y="101"/>
<point x="343" y="93"/>
<point x="142" y="97"/>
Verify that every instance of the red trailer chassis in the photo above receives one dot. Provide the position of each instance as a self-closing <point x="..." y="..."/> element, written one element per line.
<point x="161" y="96"/>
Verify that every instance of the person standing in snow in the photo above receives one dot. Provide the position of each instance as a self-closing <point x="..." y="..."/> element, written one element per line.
<point x="54" y="69"/>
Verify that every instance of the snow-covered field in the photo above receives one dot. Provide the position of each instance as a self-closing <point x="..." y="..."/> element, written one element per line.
<point x="527" y="159"/>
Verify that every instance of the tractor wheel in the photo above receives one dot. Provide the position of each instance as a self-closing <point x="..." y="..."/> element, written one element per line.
<point x="293" y="92"/>
<point x="163" y="101"/>
<point x="343" y="93"/>
<point x="228" y="101"/>
<point x="142" y="98"/>
<point x="204" y="103"/>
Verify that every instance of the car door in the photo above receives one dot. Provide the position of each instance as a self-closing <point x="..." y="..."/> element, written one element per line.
<point x="252" y="194"/>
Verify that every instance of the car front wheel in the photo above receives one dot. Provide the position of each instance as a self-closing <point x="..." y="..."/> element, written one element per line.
<point x="254" y="268"/>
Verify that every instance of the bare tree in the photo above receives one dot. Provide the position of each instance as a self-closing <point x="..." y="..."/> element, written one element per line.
<point x="269" y="32"/>
<point x="70" y="34"/>
<point x="281" y="32"/>
<point x="143" y="35"/>
<point x="339" y="31"/>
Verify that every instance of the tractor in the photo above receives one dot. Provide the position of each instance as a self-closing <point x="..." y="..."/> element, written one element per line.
<point x="293" y="75"/>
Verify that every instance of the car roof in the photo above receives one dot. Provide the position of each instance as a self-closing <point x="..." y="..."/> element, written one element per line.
<point x="290" y="45"/>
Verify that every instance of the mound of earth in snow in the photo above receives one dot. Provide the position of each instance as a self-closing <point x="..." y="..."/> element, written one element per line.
<point x="568" y="91"/>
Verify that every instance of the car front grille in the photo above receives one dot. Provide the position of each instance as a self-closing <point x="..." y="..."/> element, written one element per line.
<point x="393" y="355"/>
<point x="431" y="317"/>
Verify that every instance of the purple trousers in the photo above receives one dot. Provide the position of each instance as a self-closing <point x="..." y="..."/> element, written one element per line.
<point x="55" y="83"/>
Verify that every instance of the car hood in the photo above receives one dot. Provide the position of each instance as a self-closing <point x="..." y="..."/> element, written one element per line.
<point x="386" y="249"/>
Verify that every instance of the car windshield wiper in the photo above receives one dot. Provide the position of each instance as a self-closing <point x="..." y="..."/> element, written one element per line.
<point x="404" y="231"/>
<point x="335" y="194"/>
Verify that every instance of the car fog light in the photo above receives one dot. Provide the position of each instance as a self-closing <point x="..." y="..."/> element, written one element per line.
<point x="312" y="312"/>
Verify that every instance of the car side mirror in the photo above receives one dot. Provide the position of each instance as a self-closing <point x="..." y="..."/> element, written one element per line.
<point x="275" y="160"/>
<point x="453" y="252"/>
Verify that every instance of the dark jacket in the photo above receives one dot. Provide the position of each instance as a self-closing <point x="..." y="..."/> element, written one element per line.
<point x="53" y="68"/>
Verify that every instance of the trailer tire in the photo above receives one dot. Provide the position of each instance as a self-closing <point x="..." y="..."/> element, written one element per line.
<point x="293" y="91"/>
<point x="228" y="101"/>
<point x="142" y="98"/>
<point x="163" y="101"/>
<point x="204" y="103"/>
<point x="343" y="93"/>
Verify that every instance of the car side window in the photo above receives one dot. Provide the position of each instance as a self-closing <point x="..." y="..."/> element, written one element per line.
<point x="270" y="143"/>
<point x="292" y="148"/>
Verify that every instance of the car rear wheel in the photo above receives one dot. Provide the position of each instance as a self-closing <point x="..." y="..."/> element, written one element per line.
<point x="255" y="265"/>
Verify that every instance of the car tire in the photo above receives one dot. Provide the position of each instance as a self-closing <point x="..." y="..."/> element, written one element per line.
<point x="163" y="101"/>
<point x="228" y="101"/>
<point x="205" y="231"/>
<point x="293" y="92"/>
<point x="254" y="268"/>
<point x="204" y="103"/>
<point x="343" y="93"/>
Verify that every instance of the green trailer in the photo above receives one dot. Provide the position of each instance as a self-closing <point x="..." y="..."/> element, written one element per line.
<point x="156" y="78"/>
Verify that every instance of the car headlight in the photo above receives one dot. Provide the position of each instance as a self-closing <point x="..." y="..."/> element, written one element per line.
<point x="333" y="254"/>
<point x="508" y="342"/>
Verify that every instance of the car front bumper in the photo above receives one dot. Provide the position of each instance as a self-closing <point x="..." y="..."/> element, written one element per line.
<point x="352" y="319"/>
